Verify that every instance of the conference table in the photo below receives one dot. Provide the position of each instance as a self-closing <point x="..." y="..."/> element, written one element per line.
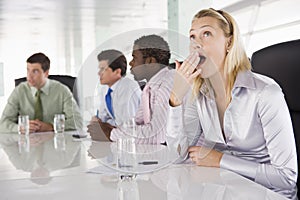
<point x="50" y="166"/>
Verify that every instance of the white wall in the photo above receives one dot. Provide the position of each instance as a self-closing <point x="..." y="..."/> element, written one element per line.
<point x="1" y="80"/>
<point x="268" y="22"/>
<point x="261" y="22"/>
<point x="67" y="31"/>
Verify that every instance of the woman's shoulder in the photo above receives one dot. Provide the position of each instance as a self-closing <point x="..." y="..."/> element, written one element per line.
<point x="263" y="81"/>
<point x="255" y="83"/>
<point x="266" y="84"/>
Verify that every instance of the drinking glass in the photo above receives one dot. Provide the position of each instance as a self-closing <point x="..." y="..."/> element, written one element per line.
<point x="23" y="124"/>
<point x="24" y="143"/>
<point x="59" y="142"/>
<point x="128" y="189"/>
<point x="59" y="123"/>
<point x="126" y="155"/>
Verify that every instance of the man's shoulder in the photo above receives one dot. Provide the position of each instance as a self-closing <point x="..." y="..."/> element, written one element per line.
<point x="22" y="87"/>
<point x="163" y="74"/>
<point x="129" y="83"/>
<point x="127" y="87"/>
<point x="57" y="85"/>
<point x="163" y="77"/>
<point x="57" y="88"/>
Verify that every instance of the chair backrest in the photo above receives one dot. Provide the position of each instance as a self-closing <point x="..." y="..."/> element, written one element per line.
<point x="282" y="63"/>
<point x="69" y="81"/>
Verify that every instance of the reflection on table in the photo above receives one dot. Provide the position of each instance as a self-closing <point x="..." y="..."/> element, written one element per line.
<point x="194" y="182"/>
<point x="41" y="153"/>
<point x="145" y="158"/>
<point x="47" y="170"/>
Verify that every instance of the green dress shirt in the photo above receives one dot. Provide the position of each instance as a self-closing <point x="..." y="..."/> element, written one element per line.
<point x="56" y="99"/>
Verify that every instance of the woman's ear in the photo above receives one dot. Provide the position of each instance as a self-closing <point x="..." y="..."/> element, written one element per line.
<point x="150" y="60"/>
<point x="229" y="42"/>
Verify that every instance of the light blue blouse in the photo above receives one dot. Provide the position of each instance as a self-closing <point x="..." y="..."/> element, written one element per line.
<point x="259" y="141"/>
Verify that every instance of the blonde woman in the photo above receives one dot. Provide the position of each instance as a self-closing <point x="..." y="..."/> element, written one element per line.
<point x="242" y="113"/>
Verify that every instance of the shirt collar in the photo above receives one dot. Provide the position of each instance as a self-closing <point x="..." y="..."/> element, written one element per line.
<point x="244" y="79"/>
<point x="115" y="85"/>
<point x="44" y="89"/>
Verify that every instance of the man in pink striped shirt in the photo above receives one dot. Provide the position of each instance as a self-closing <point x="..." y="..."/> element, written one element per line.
<point x="150" y="63"/>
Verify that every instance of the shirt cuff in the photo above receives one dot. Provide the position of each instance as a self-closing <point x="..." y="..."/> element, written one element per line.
<point x="175" y="117"/>
<point x="115" y="134"/>
<point x="238" y="165"/>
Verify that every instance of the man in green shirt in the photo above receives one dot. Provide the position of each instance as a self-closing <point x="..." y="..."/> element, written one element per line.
<point x="40" y="98"/>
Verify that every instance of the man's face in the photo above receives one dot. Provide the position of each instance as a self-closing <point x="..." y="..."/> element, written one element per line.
<point x="137" y="57"/>
<point x="36" y="77"/>
<point x="137" y="64"/>
<point x="107" y="75"/>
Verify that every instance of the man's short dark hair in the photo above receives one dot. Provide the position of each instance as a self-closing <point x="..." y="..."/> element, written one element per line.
<point x="116" y="60"/>
<point x="154" y="46"/>
<point x="41" y="59"/>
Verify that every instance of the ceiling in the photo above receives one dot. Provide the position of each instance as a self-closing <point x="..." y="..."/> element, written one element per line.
<point x="69" y="30"/>
<point x="35" y="17"/>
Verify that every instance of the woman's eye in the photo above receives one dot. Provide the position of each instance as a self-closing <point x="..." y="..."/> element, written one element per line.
<point x="206" y="34"/>
<point x="192" y="37"/>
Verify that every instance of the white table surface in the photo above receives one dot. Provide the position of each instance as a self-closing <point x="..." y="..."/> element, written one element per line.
<point x="64" y="176"/>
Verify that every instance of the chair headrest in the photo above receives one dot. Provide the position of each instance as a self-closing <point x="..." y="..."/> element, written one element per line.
<point x="282" y="63"/>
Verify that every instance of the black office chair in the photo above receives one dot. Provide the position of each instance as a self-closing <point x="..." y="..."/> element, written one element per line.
<point x="282" y="63"/>
<point x="69" y="81"/>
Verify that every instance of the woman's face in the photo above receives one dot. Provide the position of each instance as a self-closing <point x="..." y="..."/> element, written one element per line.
<point x="208" y="39"/>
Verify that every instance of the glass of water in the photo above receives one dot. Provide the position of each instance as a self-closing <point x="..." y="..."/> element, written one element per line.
<point x="126" y="155"/>
<point x="24" y="143"/>
<point x="59" y="123"/>
<point x="59" y="142"/>
<point x="23" y="124"/>
<point x="128" y="189"/>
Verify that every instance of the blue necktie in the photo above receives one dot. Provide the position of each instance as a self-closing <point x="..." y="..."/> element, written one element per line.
<point x="108" y="101"/>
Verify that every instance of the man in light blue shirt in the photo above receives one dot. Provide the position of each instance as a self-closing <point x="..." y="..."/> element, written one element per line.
<point x="119" y="98"/>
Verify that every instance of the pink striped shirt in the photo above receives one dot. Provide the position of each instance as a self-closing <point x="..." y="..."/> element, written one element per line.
<point x="154" y="131"/>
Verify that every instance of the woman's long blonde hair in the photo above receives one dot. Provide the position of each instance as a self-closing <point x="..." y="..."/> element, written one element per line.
<point x="236" y="59"/>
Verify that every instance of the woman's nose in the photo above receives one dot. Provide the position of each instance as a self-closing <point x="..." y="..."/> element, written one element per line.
<point x="196" y="44"/>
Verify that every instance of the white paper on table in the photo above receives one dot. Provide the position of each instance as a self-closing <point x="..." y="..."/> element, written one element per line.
<point x="101" y="169"/>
